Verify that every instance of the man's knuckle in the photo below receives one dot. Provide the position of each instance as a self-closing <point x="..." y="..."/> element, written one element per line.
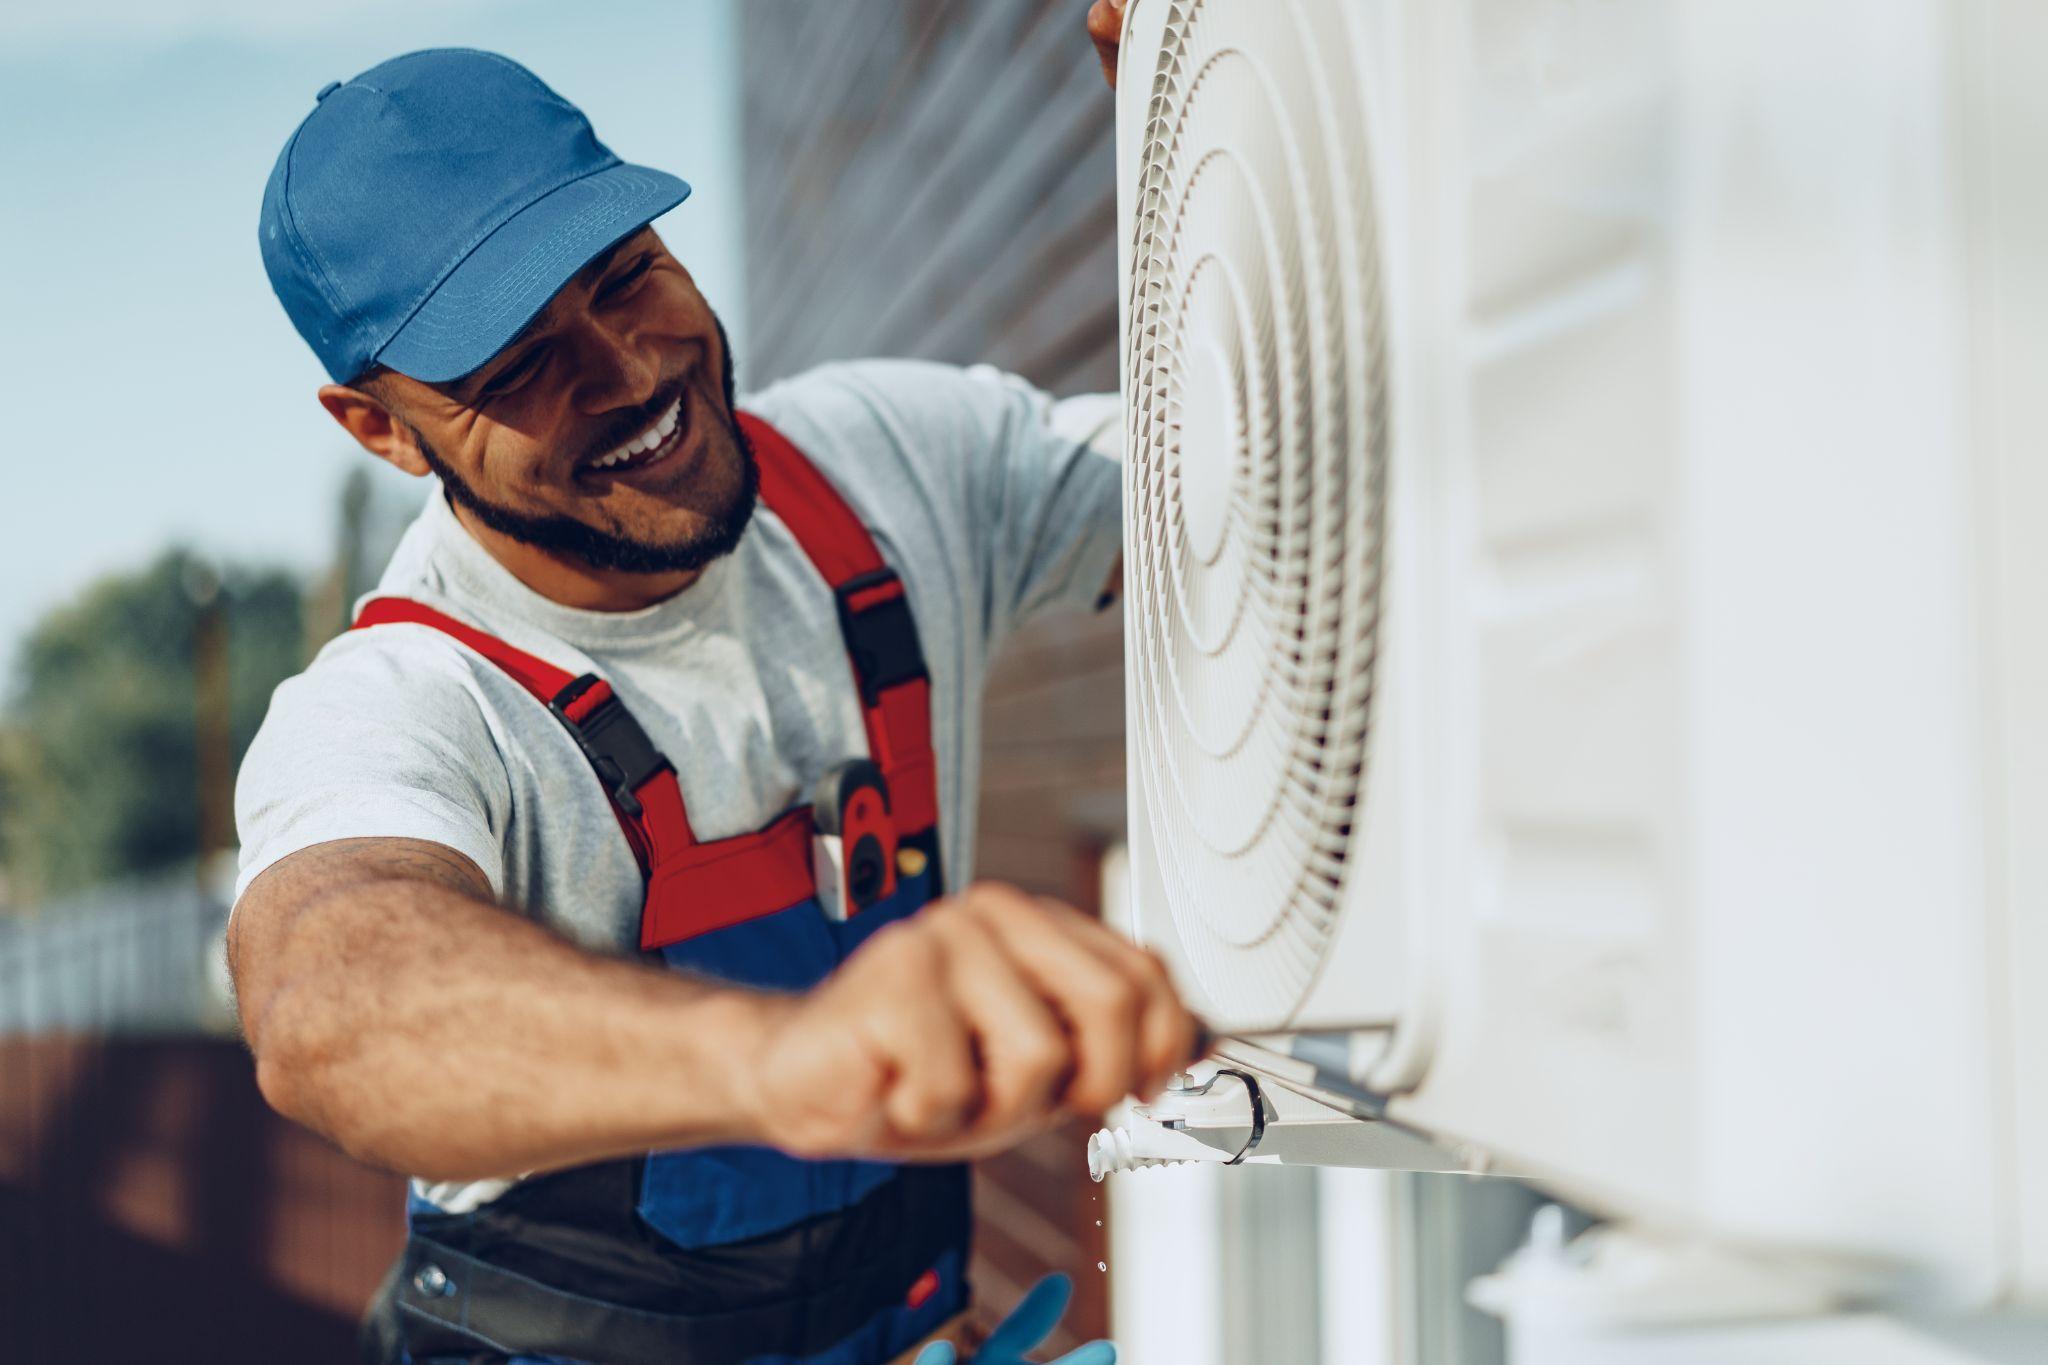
<point x="1110" y="995"/>
<point x="933" y="1113"/>
<point x="958" y="1102"/>
<point x="1095" y="1093"/>
<point x="1037" y="1061"/>
<point x="1147" y="964"/>
<point x="903" y="947"/>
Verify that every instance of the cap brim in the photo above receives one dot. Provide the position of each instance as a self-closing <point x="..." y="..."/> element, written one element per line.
<point x="501" y="286"/>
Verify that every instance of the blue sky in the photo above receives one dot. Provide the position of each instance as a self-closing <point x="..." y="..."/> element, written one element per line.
<point x="154" y="391"/>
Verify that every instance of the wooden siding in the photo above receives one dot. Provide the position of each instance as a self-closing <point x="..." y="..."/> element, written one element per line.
<point x="929" y="179"/>
<point x="937" y="180"/>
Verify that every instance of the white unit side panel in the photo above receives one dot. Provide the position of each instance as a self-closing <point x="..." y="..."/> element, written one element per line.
<point x="1831" y="702"/>
<point x="1564" y="1038"/>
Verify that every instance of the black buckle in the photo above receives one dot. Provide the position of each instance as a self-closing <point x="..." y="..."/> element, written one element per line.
<point x="618" y="749"/>
<point x="881" y="639"/>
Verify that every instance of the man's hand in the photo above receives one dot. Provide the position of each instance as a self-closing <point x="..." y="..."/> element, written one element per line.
<point x="1106" y="29"/>
<point x="955" y="1034"/>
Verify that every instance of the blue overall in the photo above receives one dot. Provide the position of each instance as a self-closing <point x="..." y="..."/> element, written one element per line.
<point x="728" y="1255"/>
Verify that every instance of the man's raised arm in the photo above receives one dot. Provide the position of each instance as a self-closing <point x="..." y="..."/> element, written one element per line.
<point x="393" y="1007"/>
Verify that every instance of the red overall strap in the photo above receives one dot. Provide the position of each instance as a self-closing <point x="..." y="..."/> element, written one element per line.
<point x="874" y="618"/>
<point x="638" y="780"/>
<point x="692" y="888"/>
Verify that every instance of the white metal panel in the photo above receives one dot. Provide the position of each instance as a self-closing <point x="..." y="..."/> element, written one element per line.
<point x="1564" y="1033"/>
<point x="1832" y="783"/>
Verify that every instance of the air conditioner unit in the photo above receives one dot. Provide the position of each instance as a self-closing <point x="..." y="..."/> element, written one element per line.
<point x="1587" y="675"/>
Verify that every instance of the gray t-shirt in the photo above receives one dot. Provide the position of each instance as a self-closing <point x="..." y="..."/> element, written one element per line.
<point x="990" y="500"/>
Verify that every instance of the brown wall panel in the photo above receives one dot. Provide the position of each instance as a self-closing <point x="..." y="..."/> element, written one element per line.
<point x="937" y="180"/>
<point x="931" y="180"/>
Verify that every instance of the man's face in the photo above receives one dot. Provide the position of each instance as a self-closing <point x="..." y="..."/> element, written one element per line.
<point x="549" y="441"/>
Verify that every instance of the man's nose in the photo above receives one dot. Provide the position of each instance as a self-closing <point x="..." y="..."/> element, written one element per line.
<point x="615" y="370"/>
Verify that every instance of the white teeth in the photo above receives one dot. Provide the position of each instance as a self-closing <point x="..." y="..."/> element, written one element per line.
<point x="645" y="441"/>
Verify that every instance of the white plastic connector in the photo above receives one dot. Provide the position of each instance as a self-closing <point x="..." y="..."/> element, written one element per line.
<point x="1193" y="1119"/>
<point x="1141" y="1145"/>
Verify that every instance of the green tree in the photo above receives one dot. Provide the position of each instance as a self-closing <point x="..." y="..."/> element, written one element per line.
<point x="100" y="750"/>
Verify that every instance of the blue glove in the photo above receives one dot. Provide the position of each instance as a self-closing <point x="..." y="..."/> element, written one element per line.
<point x="1030" y="1324"/>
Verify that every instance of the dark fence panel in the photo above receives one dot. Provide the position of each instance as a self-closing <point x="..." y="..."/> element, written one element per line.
<point x="152" y="1207"/>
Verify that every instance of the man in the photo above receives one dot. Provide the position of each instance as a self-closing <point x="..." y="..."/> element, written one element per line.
<point x="581" y="881"/>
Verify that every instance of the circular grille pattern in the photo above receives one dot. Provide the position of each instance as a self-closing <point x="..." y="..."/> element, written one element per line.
<point x="1256" y="400"/>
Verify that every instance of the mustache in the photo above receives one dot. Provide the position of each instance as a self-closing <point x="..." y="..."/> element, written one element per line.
<point x="623" y="427"/>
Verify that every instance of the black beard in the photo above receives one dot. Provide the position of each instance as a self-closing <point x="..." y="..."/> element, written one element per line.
<point x="562" y="535"/>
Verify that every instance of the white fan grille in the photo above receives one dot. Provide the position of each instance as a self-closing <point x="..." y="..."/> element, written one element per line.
<point x="1255" y="378"/>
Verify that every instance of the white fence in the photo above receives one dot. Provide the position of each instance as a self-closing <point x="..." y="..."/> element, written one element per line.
<point x="138" y="957"/>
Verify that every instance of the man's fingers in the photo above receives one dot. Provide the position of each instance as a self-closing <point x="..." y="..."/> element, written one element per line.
<point x="962" y="1030"/>
<point x="1026" y="1055"/>
<point x="1102" y="1005"/>
<point x="1168" y="1033"/>
<point x="817" y="1092"/>
<point x="1105" y="28"/>
<point x="936" y="1085"/>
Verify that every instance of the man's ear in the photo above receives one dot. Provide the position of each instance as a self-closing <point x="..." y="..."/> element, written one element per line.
<point x="375" y="427"/>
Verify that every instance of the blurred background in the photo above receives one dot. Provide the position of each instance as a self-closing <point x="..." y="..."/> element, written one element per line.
<point x="188" y="526"/>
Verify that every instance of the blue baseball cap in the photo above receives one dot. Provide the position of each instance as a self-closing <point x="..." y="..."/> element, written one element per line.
<point x="423" y="213"/>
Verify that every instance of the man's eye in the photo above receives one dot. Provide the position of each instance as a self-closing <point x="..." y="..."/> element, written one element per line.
<point x="620" y="284"/>
<point x="513" y="375"/>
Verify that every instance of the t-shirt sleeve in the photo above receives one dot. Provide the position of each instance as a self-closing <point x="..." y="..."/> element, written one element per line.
<point x="378" y="738"/>
<point x="1049" y="490"/>
<point x="1024" y="492"/>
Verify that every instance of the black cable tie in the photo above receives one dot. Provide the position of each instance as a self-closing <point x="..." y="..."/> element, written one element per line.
<point x="1258" y="1100"/>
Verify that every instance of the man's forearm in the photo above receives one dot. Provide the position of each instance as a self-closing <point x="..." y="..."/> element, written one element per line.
<point x="430" y="1032"/>
<point x="393" y="1007"/>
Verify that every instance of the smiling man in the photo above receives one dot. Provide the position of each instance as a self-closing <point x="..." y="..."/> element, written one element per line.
<point x="607" y="879"/>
